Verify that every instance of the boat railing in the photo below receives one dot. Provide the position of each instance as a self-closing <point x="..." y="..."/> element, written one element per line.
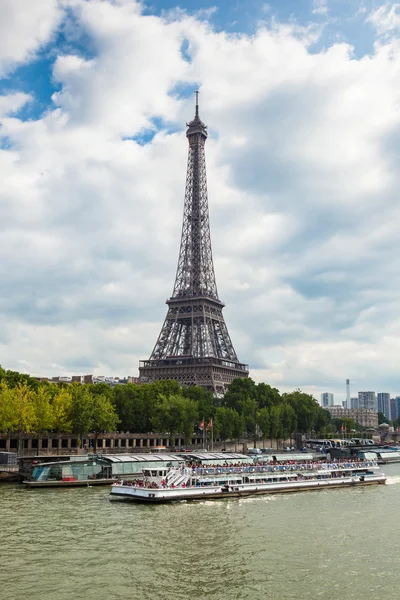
<point x="273" y="468"/>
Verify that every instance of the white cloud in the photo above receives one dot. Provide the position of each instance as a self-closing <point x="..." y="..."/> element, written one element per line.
<point x="302" y="169"/>
<point x="320" y="7"/>
<point x="386" y="18"/>
<point x="11" y="103"/>
<point x="24" y="27"/>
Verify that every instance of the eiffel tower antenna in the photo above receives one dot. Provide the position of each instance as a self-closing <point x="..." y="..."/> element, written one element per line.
<point x="194" y="346"/>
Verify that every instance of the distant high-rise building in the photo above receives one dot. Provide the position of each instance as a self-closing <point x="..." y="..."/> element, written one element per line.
<point x="353" y="402"/>
<point x="393" y="409"/>
<point x="326" y="399"/>
<point x="367" y="400"/>
<point x="347" y="402"/>
<point x="397" y="406"/>
<point x="383" y="399"/>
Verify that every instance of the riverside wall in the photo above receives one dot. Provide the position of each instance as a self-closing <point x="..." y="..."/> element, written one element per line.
<point x="118" y="443"/>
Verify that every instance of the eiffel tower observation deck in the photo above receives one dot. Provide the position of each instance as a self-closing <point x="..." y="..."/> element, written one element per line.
<point x="194" y="346"/>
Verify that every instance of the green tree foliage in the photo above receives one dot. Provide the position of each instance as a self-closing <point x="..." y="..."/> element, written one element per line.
<point x="81" y="410"/>
<point x="23" y="408"/>
<point x="288" y="419"/>
<point x="306" y="408"/>
<point x="224" y="422"/>
<point x="249" y="408"/>
<point x="204" y="399"/>
<point x="62" y="410"/>
<point x="382" y="418"/>
<point x="175" y="414"/>
<point x="238" y="391"/>
<point x="7" y="408"/>
<point x="267" y="396"/>
<point x="276" y="428"/>
<point x="103" y="415"/>
<point x="238" y="427"/>
<point x="345" y="424"/>
<point x="164" y="407"/>
<point x="264" y="422"/>
<point x="42" y="419"/>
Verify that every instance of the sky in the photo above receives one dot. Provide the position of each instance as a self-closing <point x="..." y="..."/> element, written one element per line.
<point x="302" y="102"/>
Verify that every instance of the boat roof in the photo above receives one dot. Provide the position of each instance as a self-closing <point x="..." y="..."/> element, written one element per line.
<point x="120" y="458"/>
<point x="216" y="456"/>
<point x="285" y="457"/>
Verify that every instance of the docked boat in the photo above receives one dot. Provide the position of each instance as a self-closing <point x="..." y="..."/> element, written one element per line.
<point x="96" y="469"/>
<point x="192" y="483"/>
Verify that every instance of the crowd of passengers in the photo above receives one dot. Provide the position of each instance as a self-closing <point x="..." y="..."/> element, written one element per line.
<point x="145" y="483"/>
<point x="289" y="465"/>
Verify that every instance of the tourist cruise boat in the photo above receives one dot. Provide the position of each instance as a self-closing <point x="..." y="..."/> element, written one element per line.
<point x="192" y="483"/>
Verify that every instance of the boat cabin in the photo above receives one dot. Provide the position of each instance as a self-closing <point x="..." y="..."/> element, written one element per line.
<point x="113" y="466"/>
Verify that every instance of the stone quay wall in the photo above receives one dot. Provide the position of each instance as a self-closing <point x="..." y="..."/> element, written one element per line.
<point x="116" y="443"/>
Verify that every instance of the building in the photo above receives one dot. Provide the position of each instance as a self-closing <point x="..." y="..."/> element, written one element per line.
<point x="353" y="402"/>
<point x="194" y="346"/>
<point x="326" y="399"/>
<point x="347" y="402"/>
<point x="383" y="401"/>
<point x="398" y="407"/>
<point x="366" y="417"/>
<point x="393" y="409"/>
<point x="367" y="400"/>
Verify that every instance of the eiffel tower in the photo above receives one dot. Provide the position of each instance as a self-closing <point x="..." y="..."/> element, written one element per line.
<point x="194" y="346"/>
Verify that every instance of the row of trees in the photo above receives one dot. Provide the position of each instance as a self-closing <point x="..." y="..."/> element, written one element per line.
<point x="258" y="410"/>
<point x="52" y="408"/>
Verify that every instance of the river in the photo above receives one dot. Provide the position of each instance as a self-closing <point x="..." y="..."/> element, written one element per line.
<point x="63" y="544"/>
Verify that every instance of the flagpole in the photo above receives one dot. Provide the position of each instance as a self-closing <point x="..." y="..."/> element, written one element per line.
<point x="204" y="434"/>
<point x="212" y="435"/>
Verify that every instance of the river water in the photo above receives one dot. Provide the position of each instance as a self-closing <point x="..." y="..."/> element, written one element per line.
<point x="64" y="544"/>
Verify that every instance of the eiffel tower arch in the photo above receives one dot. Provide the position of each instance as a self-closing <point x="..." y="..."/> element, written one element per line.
<point x="194" y="346"/>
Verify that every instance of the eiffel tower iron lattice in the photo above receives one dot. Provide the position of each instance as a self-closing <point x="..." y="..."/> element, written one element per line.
<point x="194" y="346"/>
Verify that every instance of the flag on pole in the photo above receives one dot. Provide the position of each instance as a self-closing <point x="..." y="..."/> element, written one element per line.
<point x="201" y="425"/>
<point x="210" y="424"/>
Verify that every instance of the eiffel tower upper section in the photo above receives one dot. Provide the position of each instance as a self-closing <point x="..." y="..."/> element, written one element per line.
<point x="194" y="346"/>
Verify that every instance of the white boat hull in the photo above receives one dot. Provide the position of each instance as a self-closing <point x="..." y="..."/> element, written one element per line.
<point x="137" y="494"/>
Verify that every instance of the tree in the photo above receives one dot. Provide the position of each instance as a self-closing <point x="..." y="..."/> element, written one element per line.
<point x="190" y="416"/>
<point x="382" y="418"/>
<point x="23" y="410"/>
<point x="238" y="427"/>
<point x="42" y="419"/>
<point x="345" y="424"/>
<point x="61" y="405"/>
<point x="224" y="422"/>
<point x="81" y="410"/>
<point x="288" y="420"/>
<point x="276" y="430"/>
<point x="7" y="408"/>
<point x="267" y="396"/>
<point x="239" y="390"/>
<point x="322" y="420"/>
<point x="203" y="398"/>
<point x="306" y="408"/>
<point x="103" y="415"/>
<point x="249" y="409"/>
<point x="169" y="415"/>
<point x="264" y="423"/>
